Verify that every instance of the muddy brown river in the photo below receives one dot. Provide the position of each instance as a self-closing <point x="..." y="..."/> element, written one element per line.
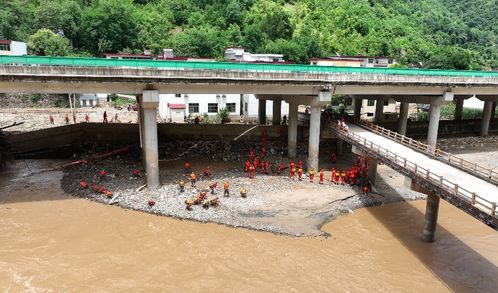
<point x="50" y="242"/>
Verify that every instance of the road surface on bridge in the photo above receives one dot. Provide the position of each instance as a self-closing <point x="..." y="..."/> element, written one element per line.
<point x="464" y="180"/>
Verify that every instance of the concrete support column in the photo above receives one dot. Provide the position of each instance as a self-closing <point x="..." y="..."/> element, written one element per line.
<point x="403" y="118"/>
<point x="372" y="170"/>
<point x="379" y="110"/>
<point x="150" y="103"/>
<point x="292" y="131"/>
<point x="262" y="111"/>
<point x="277" y="112"/>
<point x="431" y="213"/>
<point x="141" y="127"/>
<point x="493" y="110"/>
<point x="314" y="137"/>
<point x="434" y="113"/>
<point x="340" y="146"/>
<point x="357" y="102"/>
<point x="458" y="108"/>
<point x="486" y="117"/>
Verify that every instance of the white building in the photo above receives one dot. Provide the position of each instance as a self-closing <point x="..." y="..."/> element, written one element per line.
<point x="354" y="61"/>
<point x="176" y="107"/>
<point x="92" y="100"/>
<point x="238" y="54"/>
<point x="12" y="48"/>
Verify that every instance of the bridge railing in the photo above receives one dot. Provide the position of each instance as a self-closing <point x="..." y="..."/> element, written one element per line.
<point x="233" y="66"/>
<point x="468" y="196"/>
<point x="473" y="168"/>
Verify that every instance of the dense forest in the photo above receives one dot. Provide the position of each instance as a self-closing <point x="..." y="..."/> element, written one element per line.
<point x="429" y="33"/>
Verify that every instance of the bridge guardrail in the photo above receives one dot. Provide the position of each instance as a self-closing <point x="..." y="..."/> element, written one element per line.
<point x="472" y="198"/>
<point x="233" y="66"/>
<point x="487" y="174"/>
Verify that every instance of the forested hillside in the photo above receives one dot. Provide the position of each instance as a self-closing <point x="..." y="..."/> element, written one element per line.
<point x="432" y="33"/>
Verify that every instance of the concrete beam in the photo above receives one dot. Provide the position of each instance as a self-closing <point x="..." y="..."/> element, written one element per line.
<point x="277" y="112"/>
<point x="292" y="131"/>
<point x="150" y="102"/>
<point x="486" y="117"/>
<point x="262" y="111"/>
<point x="403" y="118"/>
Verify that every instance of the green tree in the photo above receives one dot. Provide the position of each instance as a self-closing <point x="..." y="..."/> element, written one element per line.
<point x="46" y="43"/>
<point x="11" y="17"/>
<point x="63" y="15"/>
<point x="108" y="26"/>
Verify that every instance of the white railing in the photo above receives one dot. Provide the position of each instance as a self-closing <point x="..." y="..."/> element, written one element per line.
<point x="471" y="167"/>
<point x="472" y="198"/>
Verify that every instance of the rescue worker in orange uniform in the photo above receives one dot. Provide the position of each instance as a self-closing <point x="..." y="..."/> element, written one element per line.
<point x="74" y="118"/>
<point x="226" y="187"/>
<point x="256" y="162"/>
<point x="300" y="164"/>
<point x="262" y="166"/>
<point x="251" y="171"/>
<point x="312" y="175"/>
<point x="365" y="190"/>
<point x="300" y="173"/>
<point x="66" y="118"/>
<point x="182" y="185"/>
<point x="343" y="177"/>
<point x="337" y="177"/>
<point x="51" y="119"/>
<point x="87" y="118"/>
<point x="332" y="176"/>
<point x="193" y="178"/>
<point x="280" y="168"/>
<point x="263" y="151"/>
<point x="267" y="167"/>
<point x="246" y="167"/>
<point x="352" y="177"/>
<point x="292" y="165"/>
<point x="207" y="172"/>
<point x="293" y="173"/>
<point x="320" y="177"/>
<point x="212" y="186"/>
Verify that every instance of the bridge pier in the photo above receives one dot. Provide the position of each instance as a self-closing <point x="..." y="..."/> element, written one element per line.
<point x="314" y="137"/>
<point x="431" y="209"/>
<point x="434" y="114"/>
<point x="292" y="131"/>
<point x="379" y="110"/>
<point x="262" y="111"/>
<point x="486" y="117"/>
<point x="357" y="101"/>
<point x="372" y="170"/>
<point x="149" y="104"/>
<point x="141" y="127"/>
<point x="458" y="108"/>
<point x="403" y="118"/>
<point x="277" y="112"/>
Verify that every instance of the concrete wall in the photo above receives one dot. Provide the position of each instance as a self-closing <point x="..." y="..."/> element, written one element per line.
<point x="115" y="133"/>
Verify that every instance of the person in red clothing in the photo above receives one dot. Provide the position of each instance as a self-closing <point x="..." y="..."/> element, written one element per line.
<point x="256" y="162"/>
<point x="51" y="119"/>
<point x="74" y="118"/>
<point x="320" y="177"/>
<point x="300" y="174"/>
<point x="267" y="167"/>
<point x="352" y="177"/>
<point x="263" y="151"/>
<point x="251" y="171"/>
<point x="293" y="173"/>
<point x="87" y="118"/>
<point x="212" y="186"/>
<point x="251" y="155"/>
<point x="246" y="167"/>
<point x="186" y="168"/>
<point x="332" y="177"/>
<point x="292" y="165"/>
<point x="280" y="168"/>
<point x="66" y="118"/>
<point x="226" y="187"/>
<point x="207" y="172"/>
<point x="262" y="166"/>
<point x="300" y="164"/>
<point x="365" y="190"/>
<point x="105" y="117"/>
<point x="312" y="175"/>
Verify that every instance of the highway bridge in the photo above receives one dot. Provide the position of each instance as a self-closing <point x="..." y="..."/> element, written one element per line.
<point x="430" y="169"/>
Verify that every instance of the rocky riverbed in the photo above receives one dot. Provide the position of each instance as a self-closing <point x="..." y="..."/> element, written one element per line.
<point x="274" y="203"/>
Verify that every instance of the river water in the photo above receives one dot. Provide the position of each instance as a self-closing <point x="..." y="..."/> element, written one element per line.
<point x="50" y="242"/>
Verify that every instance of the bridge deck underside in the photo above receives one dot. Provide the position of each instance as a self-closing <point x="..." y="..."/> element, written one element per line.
<point x="465" y="180"/>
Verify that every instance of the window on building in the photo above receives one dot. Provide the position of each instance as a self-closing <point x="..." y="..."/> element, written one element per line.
<point x="178" y="95"/>
<point x="386" y="103"/>
<point x="231" y="107"/>
<point x="193" y="107"/>
<point x="212" y="107"/>
<point x="370" y="114"/>
<point x="370" y="61"/>
<point x="370" y="103"/>
<point x="5" y="47"/>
